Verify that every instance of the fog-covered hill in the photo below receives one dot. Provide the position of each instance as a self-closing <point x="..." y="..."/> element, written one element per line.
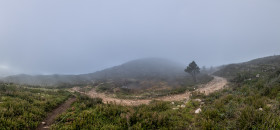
<point x="141" y="69"/>
<point x="149" y="68"/>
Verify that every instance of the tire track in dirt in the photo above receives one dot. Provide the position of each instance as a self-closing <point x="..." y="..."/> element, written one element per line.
<point x="49" y="120"/>
<point x="216" y="84"/>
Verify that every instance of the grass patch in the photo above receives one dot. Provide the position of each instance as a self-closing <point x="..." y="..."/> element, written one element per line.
<point x="24" y="108"/>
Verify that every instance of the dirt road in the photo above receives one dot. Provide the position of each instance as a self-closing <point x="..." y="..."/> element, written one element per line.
<point x="216" y="84"/>
<point x="51" y="116"/>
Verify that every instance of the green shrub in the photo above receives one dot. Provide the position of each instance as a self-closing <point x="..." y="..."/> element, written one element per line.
<point x="157" y="115"/>
<point x="24" y="108"/>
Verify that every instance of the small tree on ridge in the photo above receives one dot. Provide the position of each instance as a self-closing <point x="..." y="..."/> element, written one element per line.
<point x="193" y="69"/>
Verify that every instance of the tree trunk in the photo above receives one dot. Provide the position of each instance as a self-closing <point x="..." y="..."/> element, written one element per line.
<point x="194" y="77"/>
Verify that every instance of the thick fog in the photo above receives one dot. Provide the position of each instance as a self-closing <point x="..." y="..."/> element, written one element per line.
<point x="74" y="37"/>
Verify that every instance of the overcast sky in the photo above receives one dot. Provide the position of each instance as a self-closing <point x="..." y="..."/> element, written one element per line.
<point x="82" y="36"/>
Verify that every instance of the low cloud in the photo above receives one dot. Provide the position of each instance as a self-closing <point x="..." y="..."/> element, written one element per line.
<point x="49" y="36"/>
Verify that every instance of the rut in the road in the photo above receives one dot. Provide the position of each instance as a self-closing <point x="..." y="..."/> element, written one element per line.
<point x="216" y="84"/>
<point x="49" y="120"/>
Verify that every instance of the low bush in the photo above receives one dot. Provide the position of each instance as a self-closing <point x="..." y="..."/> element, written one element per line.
<point x="24" y="108"/>
<point x="157" y="115"/>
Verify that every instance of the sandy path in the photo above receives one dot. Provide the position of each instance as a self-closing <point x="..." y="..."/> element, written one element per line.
<point x="216" y="84"/>
<point x="51" y="116"/>
<point x="107" y="99"/>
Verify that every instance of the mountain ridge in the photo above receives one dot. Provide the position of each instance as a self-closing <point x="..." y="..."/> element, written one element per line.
<point x="139" y="69"/>
<point x="257" y="66"/>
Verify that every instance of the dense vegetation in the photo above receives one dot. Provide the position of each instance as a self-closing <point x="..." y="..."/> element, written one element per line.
<point x="252" y="101"/>
<point x="22" y="107"/>
<point x="89" y="113"/>
<point x="246" y="104"/>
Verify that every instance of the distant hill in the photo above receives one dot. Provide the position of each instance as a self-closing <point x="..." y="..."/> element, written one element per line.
<point x="149" y="68"/>
<point x="43" y="80"/>
<point x="256" y="66"/>
<point x="140" y="69"/>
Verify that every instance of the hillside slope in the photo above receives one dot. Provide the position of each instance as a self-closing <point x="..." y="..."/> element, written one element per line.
<point x="150" y="68"/>
<point x="254" y="67"/>
<point x="252" y="100"/>
<point x="140" y="69"/>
